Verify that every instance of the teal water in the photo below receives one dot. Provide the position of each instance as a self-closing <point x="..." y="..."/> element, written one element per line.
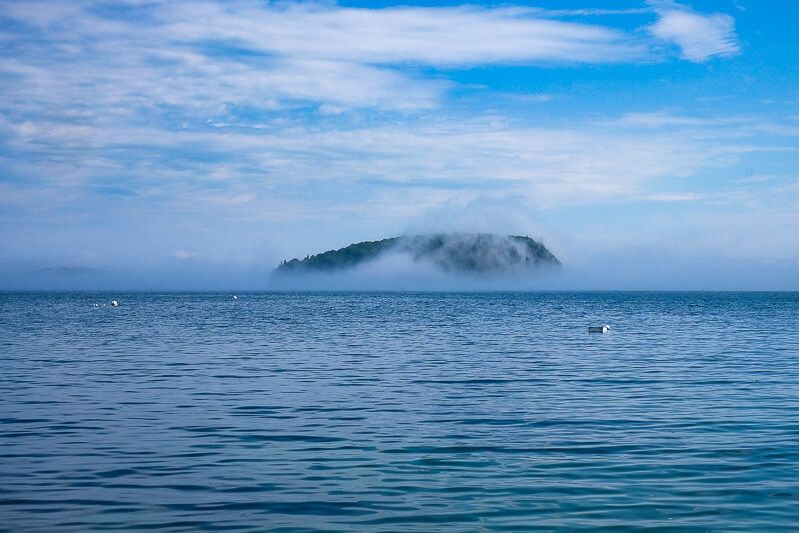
<point x="399" y="412"/>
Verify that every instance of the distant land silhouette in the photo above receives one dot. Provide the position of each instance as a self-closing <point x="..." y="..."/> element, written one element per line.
<point x="69" y="270"/>
<point x="478" y="253"/>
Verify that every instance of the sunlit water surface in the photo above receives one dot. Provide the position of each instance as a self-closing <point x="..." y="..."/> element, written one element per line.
<point x="399" y="412"/>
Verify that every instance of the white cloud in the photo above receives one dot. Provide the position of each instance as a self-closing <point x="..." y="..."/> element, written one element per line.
<point x="673" y="197"/>
<point x="584" y="164"/>
<point x="596" y="12"/>
<point x="700" y="37"/>
<point x="668" y="120"/>
<point x="184" y="254"/>
<point x="204" y="56"/>
<point x="198" y="59"/>
<point x="328" y="109"/>
<point x="757" y="179"/>
<point x="535" y="98"/>
<point x="463" y="35"/>
<point x="229" y="199"/>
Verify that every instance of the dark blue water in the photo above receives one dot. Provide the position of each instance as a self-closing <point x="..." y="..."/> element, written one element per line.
<point x="399" y="412"/>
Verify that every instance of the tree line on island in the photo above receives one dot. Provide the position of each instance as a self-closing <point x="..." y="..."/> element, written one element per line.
<point x="478" y="253"/>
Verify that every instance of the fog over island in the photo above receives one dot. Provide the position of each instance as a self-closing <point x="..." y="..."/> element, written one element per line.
<point x="440" y="260"/>
<point x="466" y="253"/>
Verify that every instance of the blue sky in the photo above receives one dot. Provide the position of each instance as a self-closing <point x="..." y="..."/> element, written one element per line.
<point x="196" y="144"/>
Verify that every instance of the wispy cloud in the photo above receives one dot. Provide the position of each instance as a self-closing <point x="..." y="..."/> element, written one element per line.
<point x="673" y="197"/>
<point x="699" y="36"/>
<point x="589" y="163"/>
<point x="130" y="57"/>
<point x="596" y="12"/>
<point x="434" y="36"/>
<point x="184" y="254"/>
<point x="654" y="119"/>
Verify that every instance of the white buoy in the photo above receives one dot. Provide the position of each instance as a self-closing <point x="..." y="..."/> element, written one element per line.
<point x="114" y="303"/>
<point x="235" y="297"/>
<point x="599" y="329"/>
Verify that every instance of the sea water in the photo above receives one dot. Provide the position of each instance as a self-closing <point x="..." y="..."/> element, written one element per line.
<point x="399" y="411"/>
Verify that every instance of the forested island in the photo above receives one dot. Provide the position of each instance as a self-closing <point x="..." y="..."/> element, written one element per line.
<point x="478" y="253"/>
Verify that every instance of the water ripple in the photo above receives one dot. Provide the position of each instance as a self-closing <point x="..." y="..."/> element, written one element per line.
<point x="412" y="412"/>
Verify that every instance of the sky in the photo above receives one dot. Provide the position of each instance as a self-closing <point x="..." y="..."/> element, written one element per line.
<point x="194" y="145"/>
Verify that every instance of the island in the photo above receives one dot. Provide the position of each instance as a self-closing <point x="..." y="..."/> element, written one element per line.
<point x="476" y="253"/>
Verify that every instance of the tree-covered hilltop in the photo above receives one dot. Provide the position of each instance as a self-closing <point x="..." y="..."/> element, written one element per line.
<point x="452" y="252"/>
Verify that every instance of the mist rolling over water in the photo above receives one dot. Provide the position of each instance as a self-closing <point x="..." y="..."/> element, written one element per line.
<point x="639" y="269"/>
<point x="397" y="271"/>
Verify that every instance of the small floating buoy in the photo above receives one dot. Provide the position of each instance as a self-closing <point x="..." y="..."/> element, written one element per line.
<point x="114" y="303"/>
<point x="599" y="329"/>
<point x="235" y="297"/>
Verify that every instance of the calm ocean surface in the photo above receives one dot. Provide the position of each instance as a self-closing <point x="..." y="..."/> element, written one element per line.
<point x="399" y="412"/>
